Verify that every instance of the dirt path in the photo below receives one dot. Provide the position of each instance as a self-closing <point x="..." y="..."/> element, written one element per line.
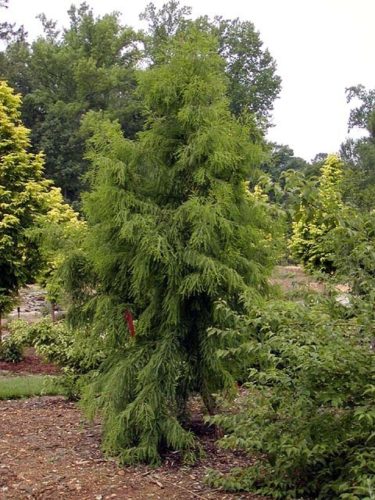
<point x="32" y="304"/>
<point x="291" y="278"/>
<point x="47" y="451"/>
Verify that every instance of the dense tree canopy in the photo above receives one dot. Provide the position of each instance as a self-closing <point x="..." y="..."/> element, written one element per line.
<point x="359" y="154"/>
<point x="281" y="159"/>
<point x="90" y="66"/>
<point x="21" y="195"/>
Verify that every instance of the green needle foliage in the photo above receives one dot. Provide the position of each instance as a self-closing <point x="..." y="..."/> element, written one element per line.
<point x="29" y="204"/>
<point x="22" y="195"/>
<point x="172" y="229"/>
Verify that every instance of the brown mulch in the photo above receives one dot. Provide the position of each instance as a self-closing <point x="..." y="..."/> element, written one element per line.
<point x="48" y="451"/>
<point x="31" y="363"/>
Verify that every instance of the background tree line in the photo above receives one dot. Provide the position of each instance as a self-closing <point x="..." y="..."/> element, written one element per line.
<point x="91" y="66"/>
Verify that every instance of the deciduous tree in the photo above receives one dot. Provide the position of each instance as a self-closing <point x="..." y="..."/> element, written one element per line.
<point x="317" y="216"/>
<point x="89" y="66"/>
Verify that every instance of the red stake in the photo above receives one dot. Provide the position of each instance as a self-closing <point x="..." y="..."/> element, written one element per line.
<point x="128" y="317"/>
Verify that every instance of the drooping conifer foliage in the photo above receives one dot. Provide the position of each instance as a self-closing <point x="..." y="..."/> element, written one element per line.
<point x="172" y="231"/>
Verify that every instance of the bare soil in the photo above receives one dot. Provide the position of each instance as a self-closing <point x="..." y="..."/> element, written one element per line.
<point x="48" y="451"/>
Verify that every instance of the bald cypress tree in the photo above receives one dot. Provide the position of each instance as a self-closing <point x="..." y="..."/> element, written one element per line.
<point x="176" y="240"/>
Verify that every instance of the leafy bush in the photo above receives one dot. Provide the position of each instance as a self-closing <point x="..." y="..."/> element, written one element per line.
<point x="73" y="350"/>
<point x="53" y="341"/>
<point x="308" y="414"/>
<point x="354" y="242"/>
<point x="21" y="332"/>
<point x="10" y="351"/>
<point x="58" y="343"/>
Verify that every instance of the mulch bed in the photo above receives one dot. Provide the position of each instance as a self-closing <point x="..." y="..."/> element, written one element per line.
<point x="48" y="451"/>
<point x="31" y="363"/>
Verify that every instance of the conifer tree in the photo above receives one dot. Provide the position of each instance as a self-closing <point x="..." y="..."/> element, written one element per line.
<point x="21" y="197"/>
<point x="27" y="201"/>
<point x="172" y="234"/>
<point x="310" y="242"/>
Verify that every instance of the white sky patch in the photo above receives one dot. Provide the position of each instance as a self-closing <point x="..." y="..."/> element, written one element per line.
<point x="320" y="46"/>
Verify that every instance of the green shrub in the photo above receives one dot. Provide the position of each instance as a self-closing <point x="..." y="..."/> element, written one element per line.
<point x="75" y="351"/>
<point x="10" y="351"/>
<point x="21" y="332"/>
<point x="308" y="414"/>
<point x="52" y="341"/>
<point x="60" y="344"/>
<point x="354" y="243"/>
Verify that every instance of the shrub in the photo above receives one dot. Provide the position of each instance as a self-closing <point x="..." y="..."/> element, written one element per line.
<point x="21" y="332"/>
<point x="73" y="350"/>
<point x="58" y="343"/>
<point x="308" y="416"/>
<point x="354" y="243"/>
<point x="10" y="351"/>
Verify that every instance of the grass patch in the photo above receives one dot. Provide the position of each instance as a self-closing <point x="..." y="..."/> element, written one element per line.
<point x="27" y="386"/>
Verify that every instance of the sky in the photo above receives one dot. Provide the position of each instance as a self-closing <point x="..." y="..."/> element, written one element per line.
<point x="320" y="47"/>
